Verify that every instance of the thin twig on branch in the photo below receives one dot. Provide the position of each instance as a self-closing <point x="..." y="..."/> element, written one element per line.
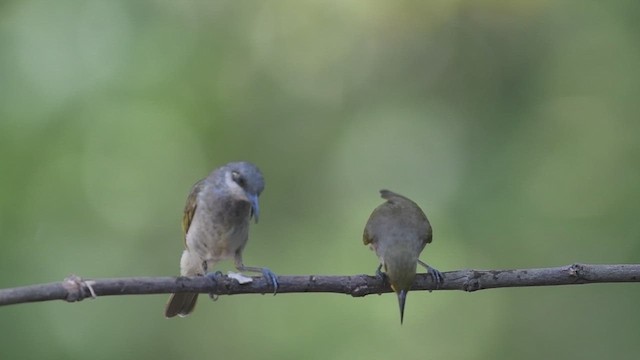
<point x="74" y="288"/>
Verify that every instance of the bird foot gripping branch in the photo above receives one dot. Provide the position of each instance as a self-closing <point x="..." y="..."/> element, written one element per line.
<point x="436" y="275"/>
<point x="269" y="275"/>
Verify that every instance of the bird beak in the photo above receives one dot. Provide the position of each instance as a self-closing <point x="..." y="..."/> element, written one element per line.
<point x="255" y="208"/>
<point x="402" y="297"/>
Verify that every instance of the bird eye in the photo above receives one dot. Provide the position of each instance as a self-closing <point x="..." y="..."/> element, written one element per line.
<point x="238" y="178"/>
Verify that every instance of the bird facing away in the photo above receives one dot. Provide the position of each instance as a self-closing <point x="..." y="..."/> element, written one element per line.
<point x="216" y="226"/>
<point x="398" y="231"/>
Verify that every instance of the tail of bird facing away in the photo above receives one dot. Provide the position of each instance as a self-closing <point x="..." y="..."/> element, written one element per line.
<point x="402" y="298"/>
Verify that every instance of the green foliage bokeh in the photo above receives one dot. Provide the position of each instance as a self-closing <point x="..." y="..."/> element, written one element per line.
<point x="513" y="124"/>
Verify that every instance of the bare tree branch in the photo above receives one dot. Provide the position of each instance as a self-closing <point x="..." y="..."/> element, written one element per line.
<point x="74" y="288"/>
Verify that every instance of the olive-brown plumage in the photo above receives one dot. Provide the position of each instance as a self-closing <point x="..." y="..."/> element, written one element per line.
<point x="398" y="230"/>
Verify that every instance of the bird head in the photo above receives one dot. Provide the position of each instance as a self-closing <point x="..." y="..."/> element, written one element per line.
<point x="246" y="180"/>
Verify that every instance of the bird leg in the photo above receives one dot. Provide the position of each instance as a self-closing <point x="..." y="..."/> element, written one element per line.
<point x="269" y="275"/>
<point x="380" y="275"/>
<point x="213" y="276"/>
<point x="436" y="275"/>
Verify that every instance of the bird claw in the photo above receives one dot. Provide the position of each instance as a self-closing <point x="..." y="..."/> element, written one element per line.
<point x="436" y="275"/>
<point x="271" y="277"/>
<point x="213" y="276"/>
<point x="380" y="275"/>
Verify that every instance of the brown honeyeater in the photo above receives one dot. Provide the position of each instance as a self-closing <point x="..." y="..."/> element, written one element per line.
<point x="216" y="221"/>
<point x="398" y="230"/>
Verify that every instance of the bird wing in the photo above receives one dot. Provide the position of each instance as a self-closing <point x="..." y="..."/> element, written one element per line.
<point x="366" y="239"/>
<point x="429" y="236"/>
<point x="190" y="207"/>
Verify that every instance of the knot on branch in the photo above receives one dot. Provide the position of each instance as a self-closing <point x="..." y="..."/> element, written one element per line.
<point x="78" y="289"/>
<point x="577" y="271"/>
<point x="362" y="285"/>
<point x="472" y="283"/>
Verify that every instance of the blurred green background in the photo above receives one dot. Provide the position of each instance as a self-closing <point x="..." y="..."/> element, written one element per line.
<point x="513" y="124"/>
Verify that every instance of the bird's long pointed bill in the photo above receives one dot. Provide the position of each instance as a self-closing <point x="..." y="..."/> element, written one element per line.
<point x="255" y="208"/>
<point x="402" y="297"/>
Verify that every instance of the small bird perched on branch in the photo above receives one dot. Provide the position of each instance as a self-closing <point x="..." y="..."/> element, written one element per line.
<point x="216" y="226"/>
<point x="398" y="230"/>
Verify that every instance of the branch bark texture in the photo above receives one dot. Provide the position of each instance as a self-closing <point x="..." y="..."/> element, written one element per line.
<point x="74" y="288"/>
